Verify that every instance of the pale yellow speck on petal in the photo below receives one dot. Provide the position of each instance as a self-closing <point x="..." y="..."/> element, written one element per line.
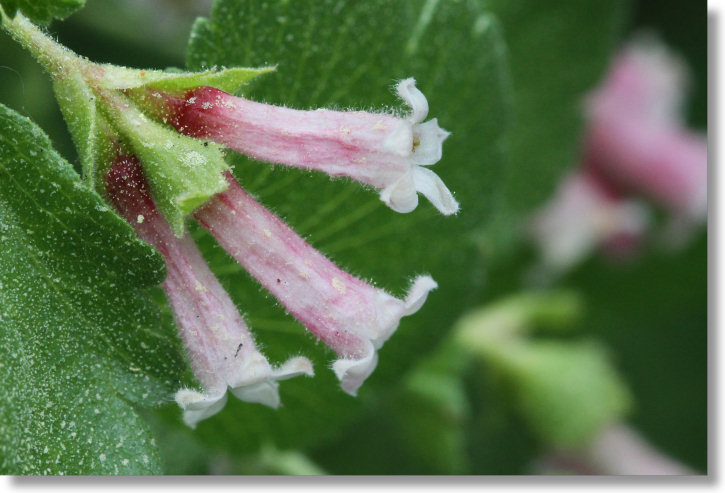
<point x="338" y="284"/>
<point x="379" y="125"/>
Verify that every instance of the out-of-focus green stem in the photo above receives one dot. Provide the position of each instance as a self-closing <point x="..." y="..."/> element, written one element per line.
<point x="482" y="331"/>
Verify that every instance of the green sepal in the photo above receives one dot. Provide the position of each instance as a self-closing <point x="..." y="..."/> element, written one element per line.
<point x="183" y="172"/>
<point x="229" y="80"/>
<point x="91" y="134"/>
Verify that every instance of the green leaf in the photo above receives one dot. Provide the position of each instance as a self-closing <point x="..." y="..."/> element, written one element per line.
<point x="349" y="55"/>
<point x="557" y="53"/>
<point x="82" y="345"/>
<point x="42" y="11"/>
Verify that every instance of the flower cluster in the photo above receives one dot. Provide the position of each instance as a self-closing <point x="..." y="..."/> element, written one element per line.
<point x="636" y="149"/>
<point x="352" y="317"/>
<point x="151" y="142"/>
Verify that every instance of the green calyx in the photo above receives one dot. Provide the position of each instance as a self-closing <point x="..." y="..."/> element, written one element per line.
<point x="183" y="172"/>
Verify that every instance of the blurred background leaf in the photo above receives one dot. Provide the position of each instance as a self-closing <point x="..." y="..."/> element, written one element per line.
<point x="557" y="52"/>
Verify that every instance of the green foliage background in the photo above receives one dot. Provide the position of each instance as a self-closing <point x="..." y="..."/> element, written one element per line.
<point x="507" y="78"/>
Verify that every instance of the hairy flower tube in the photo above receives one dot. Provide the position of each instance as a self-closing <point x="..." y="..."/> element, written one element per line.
<point x="636" y="137"/>
<point x="220" y="346"/>
<point x="349" y="315"/>
<point x="583" y="215"/>
<point x="381" y="150"/>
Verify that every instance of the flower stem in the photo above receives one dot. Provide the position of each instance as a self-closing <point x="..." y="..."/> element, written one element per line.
<point x="54" y="57"/>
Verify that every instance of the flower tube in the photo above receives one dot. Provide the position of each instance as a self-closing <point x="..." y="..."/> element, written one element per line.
<point x="349" y="315"/>
<point x="221" y="348"/>
<point x="381" y="150"/>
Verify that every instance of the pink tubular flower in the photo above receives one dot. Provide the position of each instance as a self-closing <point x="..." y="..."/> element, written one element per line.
<point x="349" y="315"/>
<point x="221" y="348"/>
<point x="582" y="215"/>
<point x="636" y="136"/>
<point x="381" y="150"/>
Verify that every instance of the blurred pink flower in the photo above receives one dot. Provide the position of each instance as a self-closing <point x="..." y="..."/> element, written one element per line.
<point x="582" y="216"/>
<point x="636" y="147"/>
<point x="636" y="137"/>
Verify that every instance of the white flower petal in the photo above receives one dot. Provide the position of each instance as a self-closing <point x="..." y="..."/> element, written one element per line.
<point x="353" y="372"/>
<point x="401" y="196"/>
<point x="198" y="406"/>
<point x="259" y="382"/>
<point x="413" y="98"/>
<point x="430" y="185"/>
<point x="400" y="140"/>
<point x="265" y="392"/>
<point x="294" y="367"/>
<point x="391" y="310"/>
<point x="418" y="293"/>
<point x="429" y="137"/>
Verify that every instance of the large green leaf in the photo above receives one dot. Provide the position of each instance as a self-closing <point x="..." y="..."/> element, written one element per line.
<point x="348" y="55"/>
<point x="42" y="11"/>
<point x="557" y="52"/>
<point x="81" y="345"/>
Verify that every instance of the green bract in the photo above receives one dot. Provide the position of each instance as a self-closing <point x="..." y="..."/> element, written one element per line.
<point x="227" y="79"/>
<point x="183" y="172"/>
<point x="81" y="341"/>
